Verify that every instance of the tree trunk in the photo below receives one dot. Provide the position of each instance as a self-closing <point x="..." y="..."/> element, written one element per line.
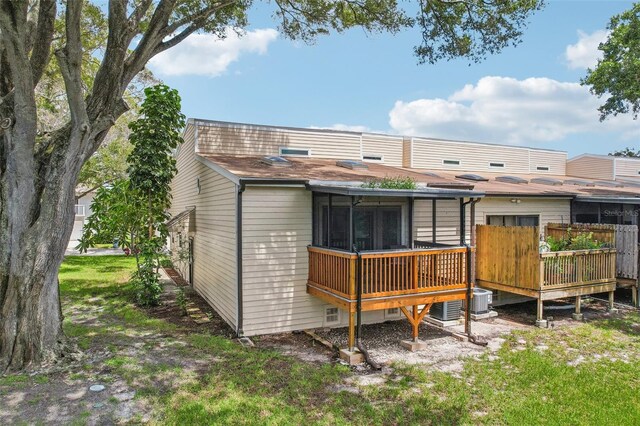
<point x="36" y="219"/>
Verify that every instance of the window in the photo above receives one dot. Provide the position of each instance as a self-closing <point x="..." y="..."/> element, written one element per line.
<point x="392" y="313"/>
<point x="372" y="157"/>
<point x="496" y="165"/>
<point x="513" y="220"/>
<point x="451" y="162"/>
<point x="295" y="152"/>
<point x="542" y="168"/>
<point x="375" y="228"/>
<point x="79" y="209"/>
<point x="331" y="316"/>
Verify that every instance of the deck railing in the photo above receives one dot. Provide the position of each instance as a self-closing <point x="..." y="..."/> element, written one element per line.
<point x="388" y="273"/>
<point x="578" y="267"/>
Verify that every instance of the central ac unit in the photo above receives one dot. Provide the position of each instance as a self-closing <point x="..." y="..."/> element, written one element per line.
<point x="446" y="311"/>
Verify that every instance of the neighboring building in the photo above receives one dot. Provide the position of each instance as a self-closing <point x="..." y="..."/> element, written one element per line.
<point x="263" y="212"/>
<point x="82" y="211"/>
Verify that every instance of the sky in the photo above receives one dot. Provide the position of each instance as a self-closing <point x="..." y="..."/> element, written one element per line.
<point x="527" y="95"/>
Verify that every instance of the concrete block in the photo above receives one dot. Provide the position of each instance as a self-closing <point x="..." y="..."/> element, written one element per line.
<point x="413" y="346"/>
<point x="440" y="323"/>
<point x="490" y="314"/>
<point x="577" y="317"/>
<point x="352" y="357"/>
<point x="542" y="323"/>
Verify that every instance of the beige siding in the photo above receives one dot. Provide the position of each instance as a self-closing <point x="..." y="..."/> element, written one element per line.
<point x="591" y="167"/>
<point x="225" y="138"/>
<point x="448" y="222"/>
<point x="215" y="273"/>
<point x="390" y="147"/>
<point x="555" y="161"/>
<point x="430" y="154"/>
<point x="276" y="226"/>
<point x="627" y="167"/>
<point x="406" y="152"/>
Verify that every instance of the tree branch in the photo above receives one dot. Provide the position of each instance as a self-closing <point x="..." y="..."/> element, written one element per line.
<point x="70" y="61"/>
<point x="44" y="36"/>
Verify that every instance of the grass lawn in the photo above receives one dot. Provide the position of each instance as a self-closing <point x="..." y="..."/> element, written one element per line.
<point x="586" y="374"/>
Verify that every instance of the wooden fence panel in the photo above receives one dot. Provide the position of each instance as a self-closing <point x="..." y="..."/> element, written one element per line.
<point x="627" y="246"/>
<point x="508" y="255"/>
<point x="601" y="232"/>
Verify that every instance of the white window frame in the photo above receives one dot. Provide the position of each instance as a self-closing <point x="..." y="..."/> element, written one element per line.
<point x="444" y="162"/>
<point x="492" y="166"/>
<point x="372" y="160"/>
<point x="79" y="208"/>
<point x="281" y="154"/>
<point x="326" y="314"/>
<point x="548" y="169"/>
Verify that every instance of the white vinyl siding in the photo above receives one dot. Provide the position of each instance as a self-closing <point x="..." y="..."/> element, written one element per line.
<point x="431" y="154"/>
<point x="627" y="167"/>
<point x="277" y="228"/>
<point x="389" y="147"/>
<point x="591" y="167"/>
<point x="215" y="267"/>
<point x="555" y="161"/>
<point x="241" y="139"/>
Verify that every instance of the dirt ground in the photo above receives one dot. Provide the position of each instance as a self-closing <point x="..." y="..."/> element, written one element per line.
<point x="444" y="352"/>
<point x="62" y="395"/>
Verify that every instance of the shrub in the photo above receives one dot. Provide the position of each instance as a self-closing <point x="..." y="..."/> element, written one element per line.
<point x="398" y="182"/>
<point x="146" y="286"/>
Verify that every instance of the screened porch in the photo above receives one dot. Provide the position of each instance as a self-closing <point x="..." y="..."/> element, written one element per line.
<point x="364" y="256"/>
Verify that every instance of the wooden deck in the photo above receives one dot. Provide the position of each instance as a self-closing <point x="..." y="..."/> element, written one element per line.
<point x="388" y="279"/>
<point x="508" y="259"/>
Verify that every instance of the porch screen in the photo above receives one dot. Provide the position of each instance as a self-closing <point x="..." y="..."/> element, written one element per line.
<point x="375" y="228"/>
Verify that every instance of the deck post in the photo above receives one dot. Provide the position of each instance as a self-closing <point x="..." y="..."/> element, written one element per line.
<point x="352" y="330"/>
<point x="415" y="323"/>
<point x="578" y="314"/>
<point x="612" y="308"/>
<point x="540" y="321"/>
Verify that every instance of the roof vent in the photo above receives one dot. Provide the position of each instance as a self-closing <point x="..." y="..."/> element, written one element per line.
<point x="609" y="183"/>
<point x="431" y="174"/>
<point x="275" y="161"/>
<point x="351" y="164"/>
<point x="475" y="178"/>
<point x="579" y="182"/>
<point x="511" y="179"/>
<point x="547" y="181"/>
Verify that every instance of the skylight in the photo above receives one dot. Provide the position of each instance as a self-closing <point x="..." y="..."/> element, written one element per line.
<point x="580" y="182"/>
<point x="511" y="179"/>
<point x="476" y="178"/>
<point x="275" y="161"/>
<point x="547" y="181"/>
<point x="431" y="174"/>
<point x="351" y="164"/>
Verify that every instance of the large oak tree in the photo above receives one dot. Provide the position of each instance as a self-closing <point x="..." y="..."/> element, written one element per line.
<point x="39" y="170"/>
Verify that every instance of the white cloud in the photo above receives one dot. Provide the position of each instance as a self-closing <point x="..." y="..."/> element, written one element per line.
<point x="208" y="55"/>
<point x="585" y="53"/>
<point x="506" y="110"/>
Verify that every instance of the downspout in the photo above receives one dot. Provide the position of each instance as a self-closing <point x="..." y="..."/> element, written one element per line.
<point x="359" y="344"/>
<point x="239" y="322"/>
<point x="467" y="320"/>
